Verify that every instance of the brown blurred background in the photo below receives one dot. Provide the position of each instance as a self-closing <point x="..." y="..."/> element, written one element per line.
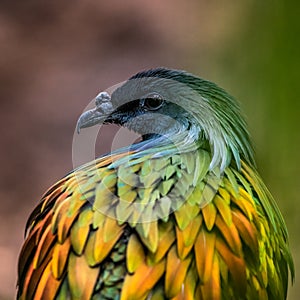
<point x="57" y="55"/>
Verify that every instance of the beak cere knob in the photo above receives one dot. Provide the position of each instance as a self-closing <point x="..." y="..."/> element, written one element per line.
<point x="101" y="98"/>
<point x="98" y="114"/>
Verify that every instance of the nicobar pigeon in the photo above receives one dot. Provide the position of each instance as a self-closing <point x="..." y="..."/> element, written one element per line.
<point x="180" y="214"/>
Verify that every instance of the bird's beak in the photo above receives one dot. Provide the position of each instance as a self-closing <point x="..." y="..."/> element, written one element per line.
<point x="97" y="115"/>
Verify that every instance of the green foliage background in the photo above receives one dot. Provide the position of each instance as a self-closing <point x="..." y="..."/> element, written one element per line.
<point x="263" y="63"/>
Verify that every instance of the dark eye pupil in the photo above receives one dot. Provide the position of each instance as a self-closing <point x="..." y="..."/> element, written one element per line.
<point x="153" y="103"/>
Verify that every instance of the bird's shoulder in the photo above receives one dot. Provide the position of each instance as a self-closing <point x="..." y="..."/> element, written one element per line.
<point x="161" y="212"/>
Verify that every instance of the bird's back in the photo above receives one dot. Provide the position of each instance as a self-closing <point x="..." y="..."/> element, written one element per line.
<point x="133" y="226"/>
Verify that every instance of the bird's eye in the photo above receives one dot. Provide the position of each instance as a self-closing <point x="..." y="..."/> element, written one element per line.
<point x="152" y="102"/>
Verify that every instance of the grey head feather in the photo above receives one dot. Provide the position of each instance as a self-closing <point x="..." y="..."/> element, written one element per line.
<point x="196" y="106"/>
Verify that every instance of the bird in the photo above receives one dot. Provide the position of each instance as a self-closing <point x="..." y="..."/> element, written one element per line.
<point x="182" y="213"/>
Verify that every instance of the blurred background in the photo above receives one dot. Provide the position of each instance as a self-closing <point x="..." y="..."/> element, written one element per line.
<point x="57" y="55"/>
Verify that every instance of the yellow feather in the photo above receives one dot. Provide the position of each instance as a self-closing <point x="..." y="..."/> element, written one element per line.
<point x="204" y="253"/>
<point x="246" y="196"/>
<point x="90" y="249"/>
<point x="124" y="188"/>
<point x="138" y="285"/>
<point x="185" y="214"/>
<point x="229" y="188"/>
<point x="137" y="211"/>
<point x="212" y="288"/>
<point x="59" y="210"/>
<point x="271" y="267"/>
<point x="135" y="168"/>
<point x="246" y="230"/>
<point x="190" y="232"/>
<point x="230" y="235"/>
<point x="105" y="238"/>
<point x="151" y="240"/>
<point x="145" y="224"/>
<point x="175" y="273"/>
<point x="245" y="206"/>
<point x="183" y="250"/>
<point x="166" y="239"/>
<point x="190" y="283"/>
<point x="34" y="277"/>
<point x="44" y="246"/>
<point x="65" y="215"/>
<point x="47" y="285"/>
<point x="104" y="198"/>
<point x="225" y="195"/>
<point x="59" y="258"/>
<point x="210" y="188"/>
<point x="123" y="212"/>
<point x="109" y="180"/>
<point x="81" y="277"/>
<point x="134" y="254"/>
<point x="196" y="196"/>
<point x="209" y="213"/>
<point x="186" y="237"/>
<point x="111" y="229"/>
<point x="80" y="230"/>
<point x="224" y="209"/>
<point x="98" y="219"/>
<point x="149" y="214"/>
<point x="236" y="266"/>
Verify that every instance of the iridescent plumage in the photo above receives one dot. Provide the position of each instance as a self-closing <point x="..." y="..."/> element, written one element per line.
<point x="181" y="215"/>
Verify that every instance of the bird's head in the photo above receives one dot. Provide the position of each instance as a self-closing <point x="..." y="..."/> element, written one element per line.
<point x="168" y="104"/>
